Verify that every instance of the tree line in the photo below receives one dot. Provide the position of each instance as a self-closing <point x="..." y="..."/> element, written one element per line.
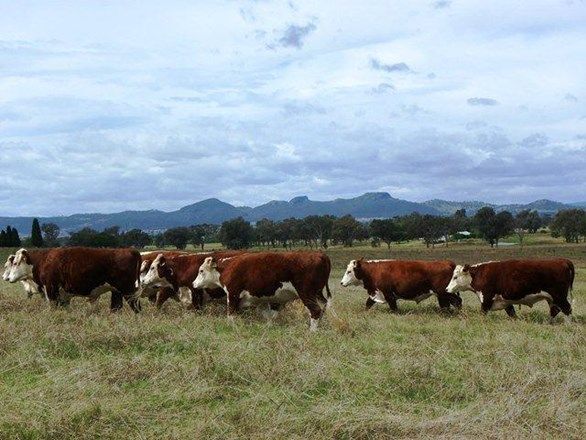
<point x="319" y="231"/>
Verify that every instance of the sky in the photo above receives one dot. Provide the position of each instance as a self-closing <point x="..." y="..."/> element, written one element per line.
<point x="113" y="105"/>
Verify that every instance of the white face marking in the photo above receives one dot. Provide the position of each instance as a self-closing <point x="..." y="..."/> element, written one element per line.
<point x="152" y="278"/>
<point x="208" y="276"/>
<point x="20" y="269"/>
<point x="349" y="278"/>
<point x="461" y="280"/>
<point x="7" y="267"/>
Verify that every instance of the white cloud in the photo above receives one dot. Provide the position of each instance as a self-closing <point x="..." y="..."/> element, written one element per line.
<point x="126" y="105"/>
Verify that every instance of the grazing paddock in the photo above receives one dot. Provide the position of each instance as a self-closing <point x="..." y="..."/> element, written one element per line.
<point x="69" y="374"/>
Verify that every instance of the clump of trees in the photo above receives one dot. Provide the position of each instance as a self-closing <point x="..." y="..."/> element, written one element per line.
<point x="321" y="231"/>
<point x="9" y="237"/>
<point x="570" y="224"/>
<point x="109" y="237"/>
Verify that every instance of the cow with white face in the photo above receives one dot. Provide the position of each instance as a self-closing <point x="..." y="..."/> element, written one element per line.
<point x="500" y="285"/>
<point x="387" y="281"/>
<point x="173" y="274"/>
<point x="7" y="267"/>
<point x="269" y="280"/>
<point x="21" y="268"/>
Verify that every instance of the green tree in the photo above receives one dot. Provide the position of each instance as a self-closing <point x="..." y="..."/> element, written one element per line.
<point x="347" y="229"/>
<point x="236" y="234"/>
<point x="266" y="232"/>
<point x="491" y="226"/>
<point x="386" y="230"/>
<point x="570" y="224"/>
<point x="50" y="234"/>
<point x="36" y="235"/>
<point x="135" y="238"/>
<point x="178" y="237"/>
<point x="319" y="228"/>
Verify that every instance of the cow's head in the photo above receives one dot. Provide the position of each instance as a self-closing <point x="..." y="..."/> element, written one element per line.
<point x="144" y="268"/>
<point x="208" y="276"/>
<point x="353" y="274"/>
<point x="22" y="267"/>
<point x="7" y="267"/>
<point x="158" y="274"/>
<point x="461" y="279"/>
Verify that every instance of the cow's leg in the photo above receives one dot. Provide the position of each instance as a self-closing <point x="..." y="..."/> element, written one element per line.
<point x="197" y="298"/>
<point x="233" y="304"/>
<point x="391" y="301"/>
<point x="554" y="309"/>
<point x="510" y="309"/>
<point x="444" y="302"/>
<point x="163" y="295"/>
<point x="369" y="303"/>
<point x="564" y="305"/>
<point x="486" y="304"/>
<point x="116" y="301"/>
<point x="132" y="301"/>
<point x="315" y="311"/>
<point x="52" y="295"/>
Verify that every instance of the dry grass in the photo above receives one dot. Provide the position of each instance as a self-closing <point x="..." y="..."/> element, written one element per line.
<point x="65" y="374"/>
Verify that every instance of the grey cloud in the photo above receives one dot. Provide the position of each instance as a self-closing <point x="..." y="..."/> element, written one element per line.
<point x="482" y="101"/>
<point x="570" y="98"/>
<point x="397" y="67"/>
<point x="302" y="108"/>
<point x="294" y="35"/>
<point x="441" y="4"/>
<point x="536" y="140"/>
<point x="383" y="88"/>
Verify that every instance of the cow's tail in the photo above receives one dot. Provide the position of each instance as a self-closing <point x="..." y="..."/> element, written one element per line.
<point x="571" y="286"/>
<point x="328" y="292"/>
<point x="137" y="291"/>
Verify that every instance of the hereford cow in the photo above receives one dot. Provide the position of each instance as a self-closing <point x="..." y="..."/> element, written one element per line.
<point x="30" y="287"/>
<point x="390" y="280"/>
<point x="159" y="295"/>
<point x="270" y="279"/>
<point x="501" y="284"/>
<point x="171" y="273"/>
<point x="82" y="272"/>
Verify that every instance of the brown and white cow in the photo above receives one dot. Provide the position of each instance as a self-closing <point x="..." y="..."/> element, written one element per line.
<point x="159" y="295"/>
<point x="30" y="287"/>
<point x="270" y="279"/>
<point x="390" y="280"/>
<point x="81" y="271"/>
<point x="171" y="273"/>
<point x="501" y="284"/>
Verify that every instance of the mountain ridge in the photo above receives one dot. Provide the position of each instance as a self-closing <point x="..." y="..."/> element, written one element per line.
<point x="212" y="210"/>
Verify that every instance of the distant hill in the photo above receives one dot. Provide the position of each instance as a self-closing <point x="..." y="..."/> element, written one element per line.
<point x="367" y="206"/>
<point x="543" y="206"/>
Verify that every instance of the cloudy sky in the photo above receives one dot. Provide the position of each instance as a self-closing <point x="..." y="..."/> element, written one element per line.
<point x="114" y="105"/>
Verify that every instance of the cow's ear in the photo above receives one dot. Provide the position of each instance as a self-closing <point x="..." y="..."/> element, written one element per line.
<point x="214" y="263"/>
<point x="466" y="268"/>
<point x="25" y="256"/>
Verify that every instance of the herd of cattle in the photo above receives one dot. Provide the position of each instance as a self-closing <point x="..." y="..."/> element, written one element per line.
<point x="271" y="279"/>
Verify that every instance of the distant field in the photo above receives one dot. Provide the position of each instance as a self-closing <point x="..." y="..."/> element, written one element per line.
<point x="66" y="374"/>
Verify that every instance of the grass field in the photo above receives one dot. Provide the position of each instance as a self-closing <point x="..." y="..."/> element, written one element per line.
<point x="68" y="374"/>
